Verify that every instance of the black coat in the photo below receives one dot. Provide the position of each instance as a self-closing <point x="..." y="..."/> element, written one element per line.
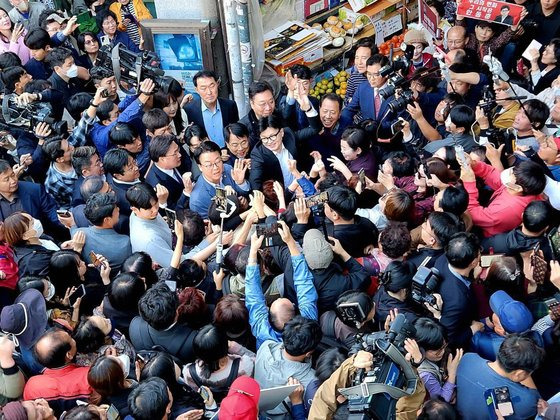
<point x="514" y="242"/>
<point x="228" y="108"/>
<point x="176" y="197"/>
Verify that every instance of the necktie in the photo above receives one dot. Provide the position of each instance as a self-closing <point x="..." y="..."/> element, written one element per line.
<point x="377" y="103"/>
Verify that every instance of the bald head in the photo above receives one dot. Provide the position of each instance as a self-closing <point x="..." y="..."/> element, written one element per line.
<point x="55" y="349"/>
<point x="281" y="311"/>
<point x="456" y="38"/>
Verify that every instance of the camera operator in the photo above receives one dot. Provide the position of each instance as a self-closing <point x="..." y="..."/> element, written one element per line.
<point x="394" y="292"/>
<point x="503" y="111"/>
<point x="438" y="370"/>
<point x="328" y="398"/>
<point x="456" y="267"/>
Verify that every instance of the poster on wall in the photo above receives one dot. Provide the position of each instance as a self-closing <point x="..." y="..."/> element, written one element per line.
<point x="491" y="11"/>
<point x="181" y="55"/>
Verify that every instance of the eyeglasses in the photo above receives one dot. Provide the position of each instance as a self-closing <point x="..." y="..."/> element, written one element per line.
<point x="244" y="143"/>
<point x="216" y="164"/>
<point x="372" y="75"/>
<point x="272" y="138"/>
<point x="455" y="41"/>
<point x="262" y="105"/>
<point x="177" y="153"/>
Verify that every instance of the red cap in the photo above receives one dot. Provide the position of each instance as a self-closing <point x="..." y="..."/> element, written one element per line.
<point x="242" y="401"/>
<point x="557" y="141"/>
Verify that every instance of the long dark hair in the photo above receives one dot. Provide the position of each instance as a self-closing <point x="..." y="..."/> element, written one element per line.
<point x="210" y="345"/>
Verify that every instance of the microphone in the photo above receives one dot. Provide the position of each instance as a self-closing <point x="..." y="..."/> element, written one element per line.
<point x="396" y="327"/>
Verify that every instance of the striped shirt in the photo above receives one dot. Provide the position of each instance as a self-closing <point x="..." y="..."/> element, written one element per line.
<point x="354" y="81"/>
<point x="132" y="27"/>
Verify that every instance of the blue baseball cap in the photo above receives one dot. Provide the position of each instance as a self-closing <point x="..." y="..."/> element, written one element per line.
<point x="514" y="315"/>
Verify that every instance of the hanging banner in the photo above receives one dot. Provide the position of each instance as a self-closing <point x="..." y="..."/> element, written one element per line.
<point x="491" y="11"/>
<point x="428" y="19"/>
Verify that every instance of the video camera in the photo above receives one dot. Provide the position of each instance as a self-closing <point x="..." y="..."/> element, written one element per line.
<point x="374" y="394"/>
<point x="424" y="283"/>
<point x="488" y="104"/>
<point x="132" y="68"/>
<point x="396" y="83"/>
<point x="26" y="117"/>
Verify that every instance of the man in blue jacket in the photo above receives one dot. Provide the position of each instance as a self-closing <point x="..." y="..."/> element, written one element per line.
<point x="268" y="324"/>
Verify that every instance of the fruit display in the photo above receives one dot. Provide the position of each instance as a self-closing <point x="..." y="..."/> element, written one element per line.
<point x="394" y="42"/>
<point x="335" y="85"/>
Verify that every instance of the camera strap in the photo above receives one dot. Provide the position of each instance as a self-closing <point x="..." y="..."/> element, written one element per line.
<point x="116" y="59"/>
<point x="6" y="111"/>
<point x="365" y="389"/>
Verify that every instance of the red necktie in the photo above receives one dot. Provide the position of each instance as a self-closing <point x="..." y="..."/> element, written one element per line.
<point x="377" y="103"/>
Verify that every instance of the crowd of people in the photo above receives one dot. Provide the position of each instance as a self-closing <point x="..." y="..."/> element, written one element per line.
<point x="163" y="258"/>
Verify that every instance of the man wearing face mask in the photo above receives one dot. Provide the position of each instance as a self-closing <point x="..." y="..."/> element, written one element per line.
<point x="62" y="382"/>
<point x="514" y="188"/>
<point x="26" y="12"/>
<point x="67" y="77"/>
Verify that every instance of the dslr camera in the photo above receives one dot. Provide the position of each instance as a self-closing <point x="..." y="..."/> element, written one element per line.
<point x="28" y="116"/>
<point x="424" y="283"/>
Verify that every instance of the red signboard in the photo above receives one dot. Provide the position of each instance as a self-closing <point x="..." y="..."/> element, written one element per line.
<point x="428" y="19"/>
<point x="491" y="11"/>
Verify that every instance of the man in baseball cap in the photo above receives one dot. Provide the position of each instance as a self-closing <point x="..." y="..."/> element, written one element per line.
<point x="509" y="316"/>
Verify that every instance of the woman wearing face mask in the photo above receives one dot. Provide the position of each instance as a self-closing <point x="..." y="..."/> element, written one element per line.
<point x="109" y="384"/>
<point x="95" y="336"/>
<point x="11" y="37"/>
<point x="68" y="270"/>
<point x="20" y="230"/>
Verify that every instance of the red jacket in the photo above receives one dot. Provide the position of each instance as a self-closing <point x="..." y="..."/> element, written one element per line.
<point x="504" y="212"/>
<point x="60" y="387"/>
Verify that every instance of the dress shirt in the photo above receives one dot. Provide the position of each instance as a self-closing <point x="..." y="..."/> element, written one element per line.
<point x="283" y="156"/>
<point x="459" y="276"/>
<point x="213" y="123"/>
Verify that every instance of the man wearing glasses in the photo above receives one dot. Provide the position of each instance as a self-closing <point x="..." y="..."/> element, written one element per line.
<point x="209" y="111"/>
<point x="369" y="101"/>
<point x="215" y="173"/>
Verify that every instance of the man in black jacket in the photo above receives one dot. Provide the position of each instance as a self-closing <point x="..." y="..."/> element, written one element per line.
<point x="536" y="220"/>
<point x="462" y="256"/>
<point x="355" y="233"/>
<point x="157" y="325"/>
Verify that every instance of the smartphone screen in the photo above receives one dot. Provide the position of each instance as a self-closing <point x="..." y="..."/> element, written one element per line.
<point x="112" y="413"/>
<point x="78" y="293"/>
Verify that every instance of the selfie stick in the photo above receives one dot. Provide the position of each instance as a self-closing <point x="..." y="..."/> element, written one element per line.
<point x="220" y="246"/>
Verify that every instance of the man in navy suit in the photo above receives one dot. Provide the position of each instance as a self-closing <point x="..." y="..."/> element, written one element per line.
<point x="458" y="315"/>
<point x="298" y="79"/>
<point x="165" y="154"/>
<point x="368" y="100"/>
<point x="214" y="173"/>
<point x="209" y="111"/>
<point x="30" y="198"/>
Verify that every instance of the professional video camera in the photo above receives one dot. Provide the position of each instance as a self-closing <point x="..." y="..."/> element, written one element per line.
<point x="424" y="283"/>
<point x="28" y="116"/>
<point x="488" y="104"/>
<point x="131" y="68"/>
<point x="396" y="82"/>
<point x="374" y="394"/>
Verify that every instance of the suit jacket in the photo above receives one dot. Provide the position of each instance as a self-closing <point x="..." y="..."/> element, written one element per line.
<point x="157" y="176"/>
<point x="203" y="192"/>
<point x="293" y="116"/>
<point x="459" y="306"/>
<point x="364" y="101"/>
<point x="228" y="108"/>
<point x="507" y="21"/>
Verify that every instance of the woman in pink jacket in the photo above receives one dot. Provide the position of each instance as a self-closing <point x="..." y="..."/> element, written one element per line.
<point x="11" y="37"/>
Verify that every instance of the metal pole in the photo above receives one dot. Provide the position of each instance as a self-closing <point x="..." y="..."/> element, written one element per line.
<point x="234" y="53"/>
<point x="242" y="11"/>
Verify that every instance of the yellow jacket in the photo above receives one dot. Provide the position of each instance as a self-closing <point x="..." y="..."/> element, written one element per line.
<point x="142" y="12"/>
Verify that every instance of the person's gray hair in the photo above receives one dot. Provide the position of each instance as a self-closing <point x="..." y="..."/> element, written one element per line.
<point x="91" y="185"/>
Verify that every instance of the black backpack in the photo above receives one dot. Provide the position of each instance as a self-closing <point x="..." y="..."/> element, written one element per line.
<point x="219" y="392"/>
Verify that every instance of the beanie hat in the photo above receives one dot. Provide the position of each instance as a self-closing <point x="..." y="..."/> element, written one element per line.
<point x="415" y="36"/>
<point x="14" y="411"/>
<point x="316" y="250"/>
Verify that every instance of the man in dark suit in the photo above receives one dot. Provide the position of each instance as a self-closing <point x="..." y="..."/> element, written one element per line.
<point x="30" y="198"/>
<point x="209" y="111"/>
<point x="165" y="154"/>
<point x="369" y="101"/>
<point x="458" y="315"/>
<point x="298" y="80"/>
<point x="261" y="99"/>
<point x="270" y="158"/>
<point x="86" y="162"/>
<point x="504" y="16"/>
<point x="124" y="173"/>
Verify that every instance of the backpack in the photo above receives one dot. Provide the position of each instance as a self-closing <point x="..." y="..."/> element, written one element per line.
<point x="219" y="392"/>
